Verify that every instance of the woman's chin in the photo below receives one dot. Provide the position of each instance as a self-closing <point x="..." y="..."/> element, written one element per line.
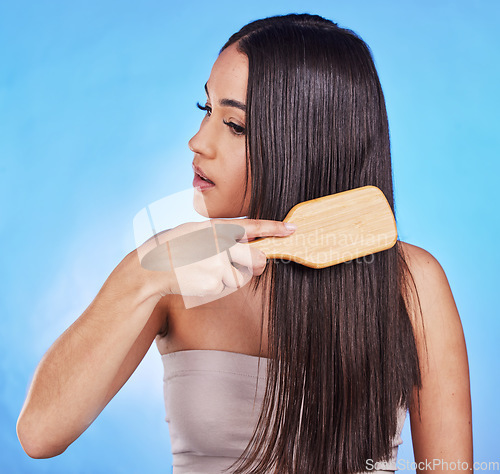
<point x="209" y="212"/>
<point x="205" y="209"/>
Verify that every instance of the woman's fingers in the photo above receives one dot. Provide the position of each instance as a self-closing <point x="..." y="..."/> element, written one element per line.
<point x="248" y="257"/>
<point x="255" y="228"/>
<point x="233" y="268"/>
<point x="202" y="278"/>
<point x="235" y="275"/>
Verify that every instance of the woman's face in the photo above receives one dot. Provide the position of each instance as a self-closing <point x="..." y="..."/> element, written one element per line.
<point x="219" y="145"/>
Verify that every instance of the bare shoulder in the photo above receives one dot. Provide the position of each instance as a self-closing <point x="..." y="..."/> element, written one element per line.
<point x="435" y="298"/>
<point x="424" y="267"/>
<point x="432" y="309"/>
<point x="434" y="313"/>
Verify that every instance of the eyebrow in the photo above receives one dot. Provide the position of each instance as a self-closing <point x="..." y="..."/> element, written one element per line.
<point x="229" y="102"/>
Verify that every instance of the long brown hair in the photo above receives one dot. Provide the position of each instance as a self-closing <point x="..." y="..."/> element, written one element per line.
<point x="342" y="353"/>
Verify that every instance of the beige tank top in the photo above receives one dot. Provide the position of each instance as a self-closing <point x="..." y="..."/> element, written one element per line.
<point x="212" y="408"/>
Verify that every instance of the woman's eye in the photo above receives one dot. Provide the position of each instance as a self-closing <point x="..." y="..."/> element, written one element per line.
<point x="206" y="108"/>
<point x="237" y="129"/>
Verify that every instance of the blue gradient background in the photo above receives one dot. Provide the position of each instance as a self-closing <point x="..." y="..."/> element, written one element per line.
<point x="97" y="103"/>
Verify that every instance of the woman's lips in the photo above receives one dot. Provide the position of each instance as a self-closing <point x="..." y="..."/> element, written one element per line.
<point x="199" y="182"/>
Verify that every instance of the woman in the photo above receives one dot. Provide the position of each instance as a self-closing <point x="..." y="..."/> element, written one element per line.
<point x="294" y="111"/>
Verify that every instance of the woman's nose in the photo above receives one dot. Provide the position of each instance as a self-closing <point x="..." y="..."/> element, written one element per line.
<point x="202" y="142"/>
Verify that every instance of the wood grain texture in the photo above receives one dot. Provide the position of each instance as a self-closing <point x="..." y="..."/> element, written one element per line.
<point x="335" y="229"/>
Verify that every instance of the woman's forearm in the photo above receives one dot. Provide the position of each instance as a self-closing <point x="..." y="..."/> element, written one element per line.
<point x="78" y="375"/>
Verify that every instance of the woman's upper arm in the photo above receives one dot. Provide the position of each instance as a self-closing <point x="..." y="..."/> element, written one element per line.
<point x="140" y="347"/>
<point x="442" y="431"/>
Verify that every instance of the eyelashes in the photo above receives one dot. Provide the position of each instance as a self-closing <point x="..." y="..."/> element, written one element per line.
<point x="206" y="108"/>
<point x="235" y="128"/>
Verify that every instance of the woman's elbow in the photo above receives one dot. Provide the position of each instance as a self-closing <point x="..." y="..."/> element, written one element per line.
<point x="34" y="442"/>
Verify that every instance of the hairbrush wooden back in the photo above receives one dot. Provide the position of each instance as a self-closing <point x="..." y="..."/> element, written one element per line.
<point x="335" y="229"/>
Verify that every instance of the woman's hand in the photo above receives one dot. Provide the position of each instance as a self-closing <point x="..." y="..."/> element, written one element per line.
<point x="202" y="259"/>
